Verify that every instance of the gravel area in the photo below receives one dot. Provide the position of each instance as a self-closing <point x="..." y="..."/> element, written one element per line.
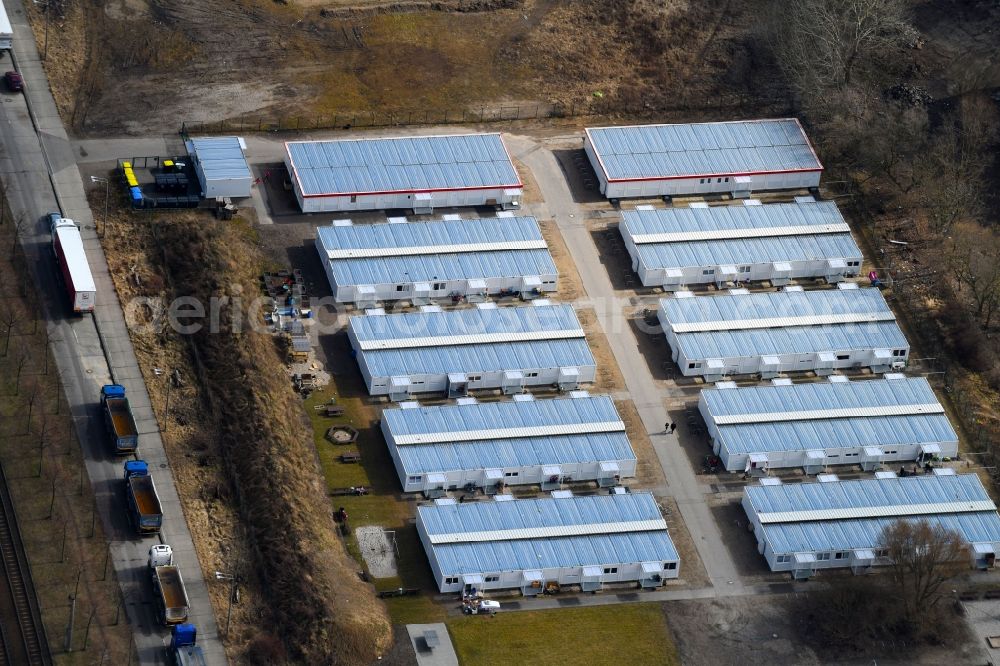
<point x="377" y="551"/>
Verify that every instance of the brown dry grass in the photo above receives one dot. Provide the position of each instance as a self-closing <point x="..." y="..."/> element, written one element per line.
<point x="570" y="284"/>
<point x="49" y="485"/>
<point x="693" y="573"/>
<point x="648" y="472"/>
<point x="609" y="377"/>
<point x="242" y="454"/>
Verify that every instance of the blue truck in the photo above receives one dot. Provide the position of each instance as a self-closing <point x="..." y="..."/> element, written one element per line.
<point x="143" y="502"/>
<point x="118" y="419"/>
<point x="183" y="648"/>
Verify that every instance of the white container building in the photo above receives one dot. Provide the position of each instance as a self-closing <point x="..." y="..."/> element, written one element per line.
<point x="870" y="423"/>
<point x="490" y="445"/>
<point x="485" y="347"/>
<point x="736" y="158"/>
<point x="769" y="333"/>
<point x="567" y="540"/>
<point x="675" y="248"/>
<point x="221" y="165"/>
<point x="418" y="173"/>
<point x="443" y="259"/>
<point x="805" y="527"/>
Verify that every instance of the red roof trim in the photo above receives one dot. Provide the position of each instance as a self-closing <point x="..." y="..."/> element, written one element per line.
<point x="714" y="175"/>
<point x="519" y="186"/>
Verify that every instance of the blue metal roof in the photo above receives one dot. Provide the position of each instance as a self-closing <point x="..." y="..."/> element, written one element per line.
<point x="787" y="538"/>
<point x="865" y="532"/>
<point x="549" y="552"/>
<point x="487" y="356"/>
<point x="783" y="339"/>
<point x="437" y="264"/>
<point x="822" y="432"/>
<point x="221" y="157"/>
<point x="866" y="493"/>
<point x="410" y="164"/>
<point x="499" y="452"/>
<point x="538" y="512"/>
<point x="737" y="251"/>
<point x="692" y="150"/>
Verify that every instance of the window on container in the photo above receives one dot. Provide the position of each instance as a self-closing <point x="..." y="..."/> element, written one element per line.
<point x="511" y="474"/>
<point x="843" y="357"/>
<point x="451" y="580"/>
<point x="708" y="271"/>
<point x="474" y="378"/>
<point x="438" y="286"/>
<point x="840" y="556"/>
<point x="899" y="352"/>
<point x="823" y="557"/>
<point x="354" y="198"/>
<point x="669" y="566"/>
<point x="719" y="180"/>
<point x="531" y="374"/>
<point x="744" y="269"/>
<point x="727" y="180"/>
<point x="400" y="287"/>
<point x="415" y="479"/>
<point x="701" y="181"/>
<point x="610" y="570"/>
<point x="783" y="558"/>
<point x="491" y="579"/>
<point x="694" y="366"/>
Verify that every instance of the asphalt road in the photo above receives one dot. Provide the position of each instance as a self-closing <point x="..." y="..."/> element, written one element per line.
<point x="38" y="168"/>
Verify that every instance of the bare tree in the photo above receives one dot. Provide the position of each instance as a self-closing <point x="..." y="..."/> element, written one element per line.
<point x="973" y="257"/>
<point x="924" y="557"/>
<point x="22" y="360"/>
<point x="32" y="396"/>
<point x="822" y="44"/>
<point x="16" y="236"/>
<point x="9" y="318"/>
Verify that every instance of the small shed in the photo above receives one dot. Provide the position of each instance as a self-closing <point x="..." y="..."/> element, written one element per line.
<point x="221" y="165"/>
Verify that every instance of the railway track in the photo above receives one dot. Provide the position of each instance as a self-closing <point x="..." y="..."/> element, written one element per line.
<point x="24" y="641"/>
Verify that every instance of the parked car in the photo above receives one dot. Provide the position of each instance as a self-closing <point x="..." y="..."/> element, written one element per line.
<point x="14" y="81"/>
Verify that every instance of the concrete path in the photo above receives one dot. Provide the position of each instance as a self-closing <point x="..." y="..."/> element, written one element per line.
<point x="648" y="397"/>
<point x="441" y="655"/>
<point x="37" y="163"/>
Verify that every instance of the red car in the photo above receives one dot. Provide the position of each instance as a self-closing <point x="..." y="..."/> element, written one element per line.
<point x="14" y="81"/>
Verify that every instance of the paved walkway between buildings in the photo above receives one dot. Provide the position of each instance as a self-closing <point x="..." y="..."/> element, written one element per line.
<point x="39" y="169"/>
<point x="681" y="480"/>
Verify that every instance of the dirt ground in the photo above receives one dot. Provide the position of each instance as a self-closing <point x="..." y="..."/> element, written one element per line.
<point x="570" y="285"/>
<point x="125" y="61"/>
<point x="648" y="473"/>
<point x="609" y="377"/>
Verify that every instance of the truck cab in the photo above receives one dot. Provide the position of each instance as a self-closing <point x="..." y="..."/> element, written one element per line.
<point x="160" y="555"/>
<point x="183" y="646"/>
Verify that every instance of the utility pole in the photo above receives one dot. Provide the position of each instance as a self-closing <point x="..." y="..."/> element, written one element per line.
<point x="107" y="197"/>
<point x="233" y="580"/>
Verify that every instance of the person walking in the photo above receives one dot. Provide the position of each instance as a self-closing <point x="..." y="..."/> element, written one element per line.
<point x="673" y="427"/>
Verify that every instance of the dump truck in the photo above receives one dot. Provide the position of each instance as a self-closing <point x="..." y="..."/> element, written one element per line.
<point x="168" y="585"/>
<point x="143" y="502"/>
<point x="118" y="419"/>
<point x="184" y="650"/>
<point x="6" y="30"/>
<point x="67" y="245"/>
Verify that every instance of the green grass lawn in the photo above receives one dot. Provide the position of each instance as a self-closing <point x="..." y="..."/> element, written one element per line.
<point x="618" y="634"/>
<point x="383" y="505"/>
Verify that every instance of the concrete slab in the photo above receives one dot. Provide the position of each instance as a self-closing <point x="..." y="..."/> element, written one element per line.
<point x="441" y="655"/>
